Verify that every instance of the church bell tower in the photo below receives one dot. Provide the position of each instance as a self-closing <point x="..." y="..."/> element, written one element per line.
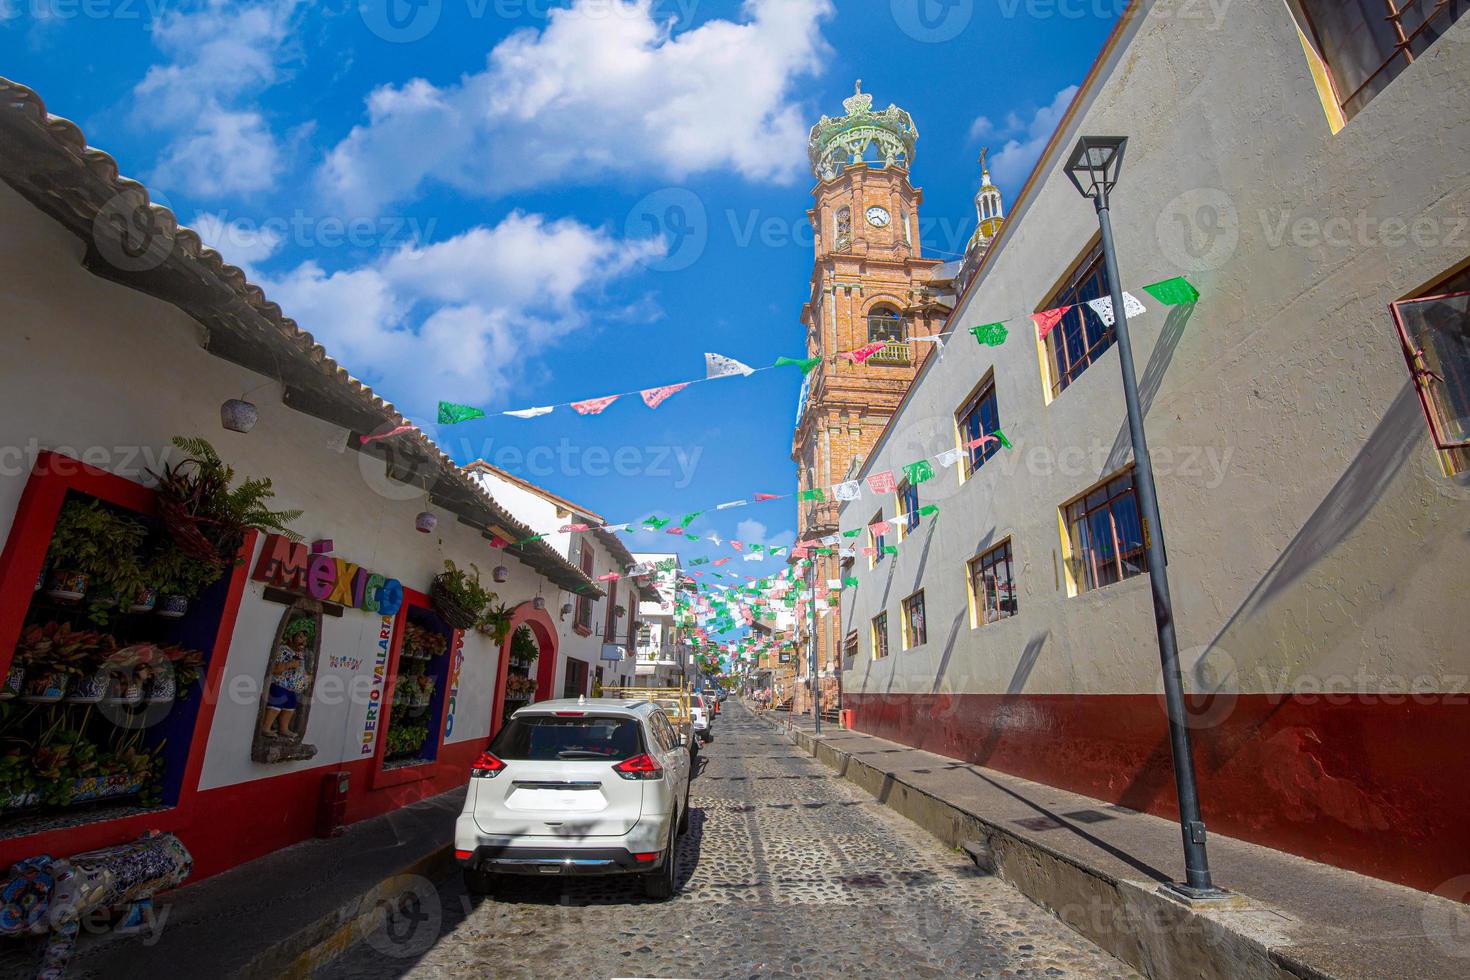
<point x="867" y="286"/>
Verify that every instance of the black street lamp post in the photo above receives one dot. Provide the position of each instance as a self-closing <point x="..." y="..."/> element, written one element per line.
<point x="1093" y="168"/>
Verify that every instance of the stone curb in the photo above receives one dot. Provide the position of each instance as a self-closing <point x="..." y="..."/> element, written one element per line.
<point x="317" y="943"/>
<point x="1132" y="920"/>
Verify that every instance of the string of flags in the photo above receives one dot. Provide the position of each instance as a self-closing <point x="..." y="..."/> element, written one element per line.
<point x="1169" y="292"/>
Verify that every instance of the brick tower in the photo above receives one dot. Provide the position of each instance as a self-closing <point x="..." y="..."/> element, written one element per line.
<point x="867" y="285"/>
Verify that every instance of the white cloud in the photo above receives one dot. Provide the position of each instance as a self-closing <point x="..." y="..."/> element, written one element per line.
<point x="242" y="243"/>
<point x="222" y="56"/>
<point x="605" y="88"/>
<point x="1028" y="138"/>
<point x="754" y="532"/>
<point x="457" y="320"/>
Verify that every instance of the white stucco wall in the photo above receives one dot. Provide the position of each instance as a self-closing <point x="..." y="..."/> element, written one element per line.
<point x="1310" y="530"/>
<point x="109" y="375"/>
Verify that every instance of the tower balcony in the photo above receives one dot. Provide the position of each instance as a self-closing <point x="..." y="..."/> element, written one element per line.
<point x="895" y="354"/>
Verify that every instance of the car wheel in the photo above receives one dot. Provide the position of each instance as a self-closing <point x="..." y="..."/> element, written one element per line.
<point x="478" y="882"/>
<point x="660" y="884"/>
<point x="706" y="737"/>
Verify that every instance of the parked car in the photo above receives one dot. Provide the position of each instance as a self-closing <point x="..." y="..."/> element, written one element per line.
<point x="577" y="787"/>
<point x="700" y="715"/>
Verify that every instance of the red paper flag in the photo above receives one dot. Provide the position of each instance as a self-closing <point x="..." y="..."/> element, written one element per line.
<point x="609" y="577"/>
<point x="882" y="482"/>
<point x="980" y="441"/>
<point x="568" y="528"/>
<point x="767" y="496"/>
<point x="721" y="561"/>
<point x="864" y="352"/>
<point x="880" y="528"/>
<point x="1047" y="319"/>
<point x="738" y="546"/>
<point x="593" y="406"/>
<point x="654" y="397"/>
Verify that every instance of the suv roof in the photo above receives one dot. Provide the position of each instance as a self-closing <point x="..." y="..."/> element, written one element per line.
<point x="627" y="706"/>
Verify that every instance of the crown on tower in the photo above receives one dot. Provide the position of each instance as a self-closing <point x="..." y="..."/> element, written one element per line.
<point x="861" y="137"/>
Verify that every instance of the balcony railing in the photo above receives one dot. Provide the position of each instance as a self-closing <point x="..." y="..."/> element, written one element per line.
<point x="895" y="353"/>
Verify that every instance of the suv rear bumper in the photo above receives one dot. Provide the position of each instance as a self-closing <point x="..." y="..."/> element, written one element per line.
<point x="557" y="860"/>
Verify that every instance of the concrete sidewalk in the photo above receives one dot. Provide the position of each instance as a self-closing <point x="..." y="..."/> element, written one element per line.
<point x="284" y="914"/>
<point x="1098" y="867"/>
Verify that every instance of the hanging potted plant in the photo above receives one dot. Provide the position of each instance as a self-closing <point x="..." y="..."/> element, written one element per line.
<point x="458" y="597"/>
<point x="204" y="516"/>
<point x="495" y="622"/>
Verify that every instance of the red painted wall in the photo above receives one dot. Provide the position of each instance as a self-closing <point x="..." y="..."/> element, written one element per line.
<point x="1347" y="779"/>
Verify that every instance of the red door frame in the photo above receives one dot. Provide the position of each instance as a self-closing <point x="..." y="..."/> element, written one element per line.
<point x="25" y="552"/>
<point x="541" y="624"/>
<point x="406" y="774"/>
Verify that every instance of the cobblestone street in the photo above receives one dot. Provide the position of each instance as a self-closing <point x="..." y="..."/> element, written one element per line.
<point x="786" y="871"/>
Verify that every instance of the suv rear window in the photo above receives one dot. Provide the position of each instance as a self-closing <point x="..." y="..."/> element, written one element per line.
<point x="548" y="737"/>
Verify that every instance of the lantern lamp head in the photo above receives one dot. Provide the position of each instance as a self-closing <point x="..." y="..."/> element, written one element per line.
<point x="238" y="415"/>
<point x="500" y="574"/>
<point x="566" y="609"/>
<point x="1094" y="165"/>
<point x="425" y="522"/>
<point x="538" y="603"/>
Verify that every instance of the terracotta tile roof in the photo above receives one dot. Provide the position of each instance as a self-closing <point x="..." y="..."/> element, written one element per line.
<point x="139" y="244"/>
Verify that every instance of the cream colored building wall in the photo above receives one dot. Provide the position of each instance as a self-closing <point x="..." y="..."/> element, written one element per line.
<point x="1312" y="536"/>
<point x="108" y="375"/>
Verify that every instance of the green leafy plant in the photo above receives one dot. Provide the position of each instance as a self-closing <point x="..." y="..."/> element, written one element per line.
<point x="458" y="597"/>
<point x="106" y="547"/>
<point x="188" y="666"/>
<point x="495" y="622"/>
<point x="523" y="645"/>
<point x="173" y="572"/>
<point x="204" y="515"/>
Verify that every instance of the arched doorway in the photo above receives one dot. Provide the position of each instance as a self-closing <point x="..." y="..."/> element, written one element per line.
<point x="525" y="619"/>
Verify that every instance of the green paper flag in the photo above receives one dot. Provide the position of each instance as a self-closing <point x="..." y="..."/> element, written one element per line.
<point x="450" y="413"/>
<point x="853" y="533"/>
<point x="928" y="509"/>
<point x="849" y="583"/>
<point x="688" y="519"/>
<point x="525" y="541"/>
<point x="825" y="551"/>
<point x="1173" y="292"/>
<point x="1003" y="440"/>
<point x="815" y="493"/>
<point x="890" y="549"/>
<point x="806" y="364"/>
<point x="655" y="523"/>
<point x="990" y="334"/>
<point x="692" y="537"/>
<point x="919" y="472"/>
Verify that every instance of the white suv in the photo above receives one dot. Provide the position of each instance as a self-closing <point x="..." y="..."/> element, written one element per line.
<point x="577" y="787"/>
<point x="699" y="717"/>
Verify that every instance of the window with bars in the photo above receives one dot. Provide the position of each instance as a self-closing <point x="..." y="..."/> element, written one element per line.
<point x="884" y="324"/>
<point x="1106" y="535"/>
<point x="610" y="621"/>
<point x="977" y="417"/>
<point x="1080" y="337"/>
<point x="583" y="621"/>
<point x="908" y="509"/>
<point x="1368" y="43"/>
<point x="850" y="650"/>
<point x="992" y="586"/>
<point x="914" y="634"/>
<point x="876" y="539"/>
<point x="1434" y="331"/>
<point x="880" y="636"/>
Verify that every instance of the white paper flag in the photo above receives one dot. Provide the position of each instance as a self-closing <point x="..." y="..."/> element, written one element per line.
<point x="531" y="413"/>
<point x="949" y="457"/>
<point x="754" y="556"/>
<point x="732" y="503"/>
<point x="850" y="490"/>
<point x="720" y="366"/>
<point x="848" y="552"/>
<point x="936" y="338"/>
<point x="1103" y="307"/>
<point x="715" y="537"/>
<point x="834" y="583"/>
<point x="615" y="527"/>
<point x="829" y="539"/>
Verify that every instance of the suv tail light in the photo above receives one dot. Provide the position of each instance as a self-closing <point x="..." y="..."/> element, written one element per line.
<point x="639" y="767"/>
<point x="486" y="766"/>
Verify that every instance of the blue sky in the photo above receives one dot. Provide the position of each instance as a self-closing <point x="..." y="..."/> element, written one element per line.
<point x="512" y="203"/>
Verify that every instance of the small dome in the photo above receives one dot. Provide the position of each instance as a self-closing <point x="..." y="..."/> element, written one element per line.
<point x="862" y="137"/>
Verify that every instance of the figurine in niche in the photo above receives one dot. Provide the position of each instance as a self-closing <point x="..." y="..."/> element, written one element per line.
<point x="289" y="677"/>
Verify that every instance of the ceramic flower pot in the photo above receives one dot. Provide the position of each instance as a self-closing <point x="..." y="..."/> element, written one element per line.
<point x="238" y="415"/>
<point x="44" y="686"/>
<point x="172" y="606"/>
<point x="425" y="522"/>
<point x="126" y="691"/>
<point x="13" y="679"/>
<point x="144" y="601"/>
<point x="18" y="800"/>
<point x="66" y="585"/>
<point x="101" y="787"/>
<point x="90" y="689"/>
<point x="161" y="689"/>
